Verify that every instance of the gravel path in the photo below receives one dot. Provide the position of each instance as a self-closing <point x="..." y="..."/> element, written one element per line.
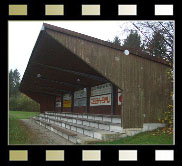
<point x="43" y="135"/>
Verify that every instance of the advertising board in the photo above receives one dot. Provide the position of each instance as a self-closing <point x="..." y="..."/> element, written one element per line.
<point x="58" y="101"/>
<point x="101" y="89"/>
<point x="67" y="100"/>
<point x="100" y="100"/>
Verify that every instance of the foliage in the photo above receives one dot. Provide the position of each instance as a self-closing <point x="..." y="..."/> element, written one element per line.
<point x="117" y="41"/>
<point x="168" y="120"/>
<point x="168" y="115"/>
<point x="160" y="29"/>
<point x="133" y="41"/>
<point x="17" y="100"/>
<point x="23" y="103"/>
<point x="157" y="46"/>
<point x="14" y="82"/>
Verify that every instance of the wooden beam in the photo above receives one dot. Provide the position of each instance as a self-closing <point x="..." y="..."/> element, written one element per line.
<point x="47" y="88"/>
<point x="73" y="72"/>
<point x="42" y="92"/>
<point x="55" y="81"/>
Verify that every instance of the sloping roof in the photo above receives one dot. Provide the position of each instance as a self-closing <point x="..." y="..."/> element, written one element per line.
<point x="104" y="43"/>
<point x="60" y="68"/>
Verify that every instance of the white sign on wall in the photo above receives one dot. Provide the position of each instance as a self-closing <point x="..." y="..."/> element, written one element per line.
<point x="58" y="104"/>
<point x="80" y="98"/>
<point x="80" y="94"/>
<point x="67" y="97"/>
<point x="101" y="89"/>
<point x="100" y="100"/>
<point x="80" y="102"/>
<point x="58" y="101"/>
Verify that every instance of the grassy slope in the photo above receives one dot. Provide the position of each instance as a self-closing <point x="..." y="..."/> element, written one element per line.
<point x="145" y="138"/>
<point x="18" y="133"/>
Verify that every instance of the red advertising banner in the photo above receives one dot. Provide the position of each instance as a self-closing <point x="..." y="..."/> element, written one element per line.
<point x="100" y="100"/>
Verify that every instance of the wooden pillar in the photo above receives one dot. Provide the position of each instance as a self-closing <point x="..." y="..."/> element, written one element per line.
<point x="87" y="100"/>
<point x="61" y="102"/>
<point x="72" y="101"/>
<point x="113" y="99"/>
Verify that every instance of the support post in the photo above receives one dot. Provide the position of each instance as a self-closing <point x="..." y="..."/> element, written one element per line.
<point x="87" y="100"/>
<point x="72" y="101"/>
<point x="112" y="99"/>
<point x="61" y="102"/>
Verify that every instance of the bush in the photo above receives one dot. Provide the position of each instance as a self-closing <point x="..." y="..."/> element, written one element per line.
<point x="23" y="103"/>
<point x="168" y="115"/>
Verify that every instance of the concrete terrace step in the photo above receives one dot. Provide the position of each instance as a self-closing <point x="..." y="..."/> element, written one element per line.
<point x="72" y="136"/>
<point x="105" y="118"/>
<point x="109" y="126"/>
<point x="86" y="130"/>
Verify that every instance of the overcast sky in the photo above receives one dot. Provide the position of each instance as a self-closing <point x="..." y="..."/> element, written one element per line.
<point x="23" y="35"/>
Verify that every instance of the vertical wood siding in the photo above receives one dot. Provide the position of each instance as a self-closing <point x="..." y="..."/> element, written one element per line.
<point x="144" y="82"/>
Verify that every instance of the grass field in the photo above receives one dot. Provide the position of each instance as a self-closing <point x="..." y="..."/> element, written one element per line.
<point x="18" y="133"/>
<point x="21" y="114"/>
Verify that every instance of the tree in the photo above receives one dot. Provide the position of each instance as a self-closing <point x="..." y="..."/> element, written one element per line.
<point x="117" y="41"/>
<point x="149" y="29"/>
<point x="23" y="103"/>
<point x="14" y="82"/>
<point x="157" y="46"/>
<point x="133" y="41"/>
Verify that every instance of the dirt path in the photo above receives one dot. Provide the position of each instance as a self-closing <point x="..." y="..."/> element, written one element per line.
<point x="43" y="136"/>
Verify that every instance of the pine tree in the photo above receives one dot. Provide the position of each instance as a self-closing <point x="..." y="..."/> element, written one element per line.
<point x="117" y="41"/>
<point x="154" y="30"/>
<point x="133" y="41"/>
<point x="14" y="82"/>
<point x="157" y="46"/>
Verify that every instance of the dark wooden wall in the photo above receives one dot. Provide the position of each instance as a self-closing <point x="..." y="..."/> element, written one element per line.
<point x="104" y="109"/>
<point x="144" y="82"/>
<point x="47" y="102"/>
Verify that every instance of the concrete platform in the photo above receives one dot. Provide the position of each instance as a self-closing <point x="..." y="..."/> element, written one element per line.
<point x="105" y="118"/>
<point x="103" y="125"/>
<point x="91" y="131"/>
<point x="89" y="127"/>
<point x="78" y="138"/>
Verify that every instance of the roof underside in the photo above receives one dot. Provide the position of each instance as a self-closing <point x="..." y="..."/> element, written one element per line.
<point x="59" y="69"/>
<point x="53" y="69"/>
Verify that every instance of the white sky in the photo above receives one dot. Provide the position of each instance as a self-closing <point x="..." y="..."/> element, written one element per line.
<point x="23" y="35"/>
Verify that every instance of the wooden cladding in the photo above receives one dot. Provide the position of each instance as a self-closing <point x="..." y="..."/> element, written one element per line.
<point x="144" y="82"/>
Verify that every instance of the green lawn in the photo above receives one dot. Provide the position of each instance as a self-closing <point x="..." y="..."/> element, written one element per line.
<point x="145" y="138"/>
<point x="22" y="115"/>
<point x="18" y="133"/>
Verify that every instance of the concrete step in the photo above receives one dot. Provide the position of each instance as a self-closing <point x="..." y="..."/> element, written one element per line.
<point x="72" y="136"/>
<point x="82" y="129"/>
<point x="105" y="118"/>
<point x="108" y="126"/>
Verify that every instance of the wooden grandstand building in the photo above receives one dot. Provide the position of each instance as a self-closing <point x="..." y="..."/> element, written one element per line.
<point x="72" y="72"/>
